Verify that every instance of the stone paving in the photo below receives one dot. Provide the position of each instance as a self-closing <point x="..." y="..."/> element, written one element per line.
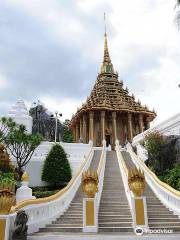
<point x="106" y="236"/>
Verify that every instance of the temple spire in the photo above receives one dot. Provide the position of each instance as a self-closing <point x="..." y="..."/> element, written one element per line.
<point x="105" y="24"/>
<point x="106" y="66"/>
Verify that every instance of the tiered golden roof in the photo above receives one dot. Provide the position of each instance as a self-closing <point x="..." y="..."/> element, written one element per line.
<point x="109" y="94"/>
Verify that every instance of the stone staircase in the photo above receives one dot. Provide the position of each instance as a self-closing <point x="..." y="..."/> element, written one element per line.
<point x="159" y="217"/>
<point x="72" y="219"/>
<point x="114" y="212"/>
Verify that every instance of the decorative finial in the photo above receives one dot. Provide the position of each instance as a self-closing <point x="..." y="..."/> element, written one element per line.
<point x="107" y="66"/>
<point x="25" y="177"/>
<point x="105" y="24"/>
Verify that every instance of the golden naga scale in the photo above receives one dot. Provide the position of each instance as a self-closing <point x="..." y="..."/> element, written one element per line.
<point x="7" y="196"/>
<point x="90" y="183"/>
<point x="136" y="182"/>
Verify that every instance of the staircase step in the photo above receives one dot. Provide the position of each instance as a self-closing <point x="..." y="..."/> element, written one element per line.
<point x="152" y="210"/>
<point x="116" y="229"/>
<point x="114" y="208"/>
<point x="64" y="225"/>
<point x="115" y="219"/>
<point x="70" y="217"/>
<point x="67" y="221"/>
<point x="112" y="203"/>
<point x="60" y="229"/>
<point x="164" y="224"/>
<point x="169" y="220"/>
<point x="67" y="214"/>
<point x="114" y="212"/>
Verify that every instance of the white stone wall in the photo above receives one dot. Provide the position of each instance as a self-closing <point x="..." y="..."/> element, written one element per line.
<point x="75" y="151"/>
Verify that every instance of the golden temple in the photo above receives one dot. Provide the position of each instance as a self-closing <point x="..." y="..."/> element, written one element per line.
<point x="109" y="112"/>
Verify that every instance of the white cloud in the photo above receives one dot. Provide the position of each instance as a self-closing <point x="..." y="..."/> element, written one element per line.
<point x="143" y="42"/>
<point x="61" y="23"/>
<point x="3" y="81"/>
<point x="64" y="106"/>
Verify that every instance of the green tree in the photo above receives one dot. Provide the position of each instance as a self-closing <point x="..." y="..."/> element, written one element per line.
<point x="22" y="146"/>
<point x="56" y="169"/>
<point x="67" y="133"/>
<point x="7" y="125"/>
<point x="161" y="152"/>
<point x="172" y="177"/>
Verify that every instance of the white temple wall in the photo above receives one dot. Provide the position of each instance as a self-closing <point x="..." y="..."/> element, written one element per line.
<point x="75" y="152"/>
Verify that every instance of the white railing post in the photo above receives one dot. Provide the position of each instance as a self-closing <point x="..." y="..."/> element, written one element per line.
<point x="90" y="221"/>
<point x="139" y="213"/>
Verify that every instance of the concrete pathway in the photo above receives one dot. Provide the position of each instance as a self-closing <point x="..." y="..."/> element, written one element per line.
<point x="106" y="236"/>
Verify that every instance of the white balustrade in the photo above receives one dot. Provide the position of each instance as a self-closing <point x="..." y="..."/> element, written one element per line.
<point x="101" y="170"/>
<point x="167" y="195"/>
<point x="42" y="213"/>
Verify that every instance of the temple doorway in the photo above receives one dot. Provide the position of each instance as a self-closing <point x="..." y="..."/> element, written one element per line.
<point x="108" y="140"/>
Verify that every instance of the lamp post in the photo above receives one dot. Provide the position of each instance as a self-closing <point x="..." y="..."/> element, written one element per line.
<point x="56" y="124"/>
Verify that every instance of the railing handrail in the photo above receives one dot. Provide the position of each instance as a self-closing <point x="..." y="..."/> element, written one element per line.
<point x="123" y="162"/>
<point x="124" y="173"/>
<point x="101" y="159"/>
<point x="164" y="185"/>
<point x="100" y="172"/>
<point x="54" y="196"/>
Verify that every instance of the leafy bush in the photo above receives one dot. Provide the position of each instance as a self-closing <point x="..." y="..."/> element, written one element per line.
<point x="10" y="178"/>
<point x="42" y="194"/>
<point x="172" y="177"/>
<point x="46" y="191"/>
<point x="56" y="169"/>
<point x="47" y="188"/>
<point x="7" y="125"/>
<point x="10" y="175"/>
<point x="161" y="152"/>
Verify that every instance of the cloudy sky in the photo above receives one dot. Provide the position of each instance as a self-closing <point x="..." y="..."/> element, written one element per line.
<point x="52" y="50"/>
